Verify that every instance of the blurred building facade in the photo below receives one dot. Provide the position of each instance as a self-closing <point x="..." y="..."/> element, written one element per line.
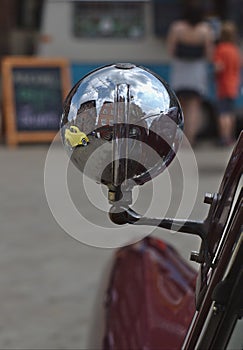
<point x="90" y="33"/>
<point x="21" y="21"/>
<point x="19" y="24"/>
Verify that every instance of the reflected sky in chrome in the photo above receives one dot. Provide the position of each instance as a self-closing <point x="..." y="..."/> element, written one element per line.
<point x="128" y="113"/>
<point x="148" y="92"/>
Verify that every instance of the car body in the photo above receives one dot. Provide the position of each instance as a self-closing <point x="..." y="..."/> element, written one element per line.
<point x="74" y="137"/>
<point x="151" y="286"/>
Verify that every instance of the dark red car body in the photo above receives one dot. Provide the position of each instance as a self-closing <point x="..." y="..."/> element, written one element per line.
<point x="155" y="300"/>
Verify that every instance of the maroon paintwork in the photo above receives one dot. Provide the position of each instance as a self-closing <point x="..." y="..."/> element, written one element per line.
<point x="151" y="295"/>
<point x="150" y="299"/>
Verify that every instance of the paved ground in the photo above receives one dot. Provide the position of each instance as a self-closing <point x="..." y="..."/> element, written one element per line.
<point x="49" y="282"/>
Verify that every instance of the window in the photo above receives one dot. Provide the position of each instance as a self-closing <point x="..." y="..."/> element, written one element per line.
<point x="165" y="12"/>
<point x="236" y="14"/>
<point x="105" y="19"/>
<point x="29" y="14"/>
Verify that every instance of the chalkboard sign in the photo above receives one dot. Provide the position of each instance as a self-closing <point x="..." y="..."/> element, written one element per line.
<point x="33" y="94"/>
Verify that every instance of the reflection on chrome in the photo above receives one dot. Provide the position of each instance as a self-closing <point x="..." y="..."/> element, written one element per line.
<point x="129" y="121"/>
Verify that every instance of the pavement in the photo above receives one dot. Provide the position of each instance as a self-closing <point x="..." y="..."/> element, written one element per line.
<point x="51" y="285"/>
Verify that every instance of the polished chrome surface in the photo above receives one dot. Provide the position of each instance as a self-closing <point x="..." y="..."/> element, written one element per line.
<point x="132" y="119"/>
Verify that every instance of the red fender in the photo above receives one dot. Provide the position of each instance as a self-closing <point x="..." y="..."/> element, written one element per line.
<point x="150" y="298"/>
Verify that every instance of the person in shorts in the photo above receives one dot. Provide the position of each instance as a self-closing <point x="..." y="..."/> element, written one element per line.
<point x="190" y="44"/>
<point x="227" y="62"/>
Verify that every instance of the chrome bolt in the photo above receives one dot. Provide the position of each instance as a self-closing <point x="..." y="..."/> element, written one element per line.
<point x="208" y="198"/>
<point x="196" y="257"/>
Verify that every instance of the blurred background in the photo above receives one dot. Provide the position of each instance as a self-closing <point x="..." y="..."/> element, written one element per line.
<point x="49" y="283"/>
<point x="93" y="33"/>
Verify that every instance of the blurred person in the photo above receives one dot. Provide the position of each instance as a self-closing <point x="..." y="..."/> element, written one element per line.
<point x="227" y="63"/>
<point x="190" y="43"/>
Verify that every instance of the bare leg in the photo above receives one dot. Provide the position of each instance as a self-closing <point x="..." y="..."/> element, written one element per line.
<point x="192" y="114"/>
<point x="227" y="127"/>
